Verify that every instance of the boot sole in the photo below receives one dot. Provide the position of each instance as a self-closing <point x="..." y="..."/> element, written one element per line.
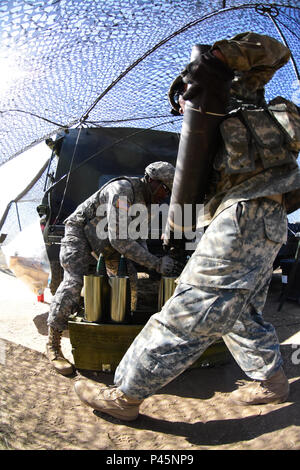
<point x="116" y="415"/>
<point x="113" y="413"/>
<point x="66" y="372"/>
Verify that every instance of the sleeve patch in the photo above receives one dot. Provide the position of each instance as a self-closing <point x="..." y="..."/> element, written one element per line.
<point x="123" y="204"/>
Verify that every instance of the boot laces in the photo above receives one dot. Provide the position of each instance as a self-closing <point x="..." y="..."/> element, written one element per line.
<point x="108" y="393"/>
<point x="255" y="384"/>
<point x="54" y="345"/>
<point x="113" y="393"/>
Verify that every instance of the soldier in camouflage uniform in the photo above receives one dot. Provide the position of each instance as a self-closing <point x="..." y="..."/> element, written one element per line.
<point x="222" y="290"/>
<point x="84" y="234"/>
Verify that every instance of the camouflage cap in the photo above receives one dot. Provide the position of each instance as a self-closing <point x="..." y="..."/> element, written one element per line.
<point x="162" y="171"/>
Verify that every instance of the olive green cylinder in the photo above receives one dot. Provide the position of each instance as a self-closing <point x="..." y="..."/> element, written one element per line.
<point x="119" y="304"/>
<point x="166" y="289"/>
<point x="96" y="298"/>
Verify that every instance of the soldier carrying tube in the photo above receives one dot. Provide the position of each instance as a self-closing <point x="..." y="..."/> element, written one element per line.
<point x="254" y="181"/>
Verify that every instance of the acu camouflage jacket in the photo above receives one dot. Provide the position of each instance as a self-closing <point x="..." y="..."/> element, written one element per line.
<point x="260" y="145"/>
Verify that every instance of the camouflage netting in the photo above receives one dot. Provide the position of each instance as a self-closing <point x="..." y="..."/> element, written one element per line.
<point x="110" y="62"/>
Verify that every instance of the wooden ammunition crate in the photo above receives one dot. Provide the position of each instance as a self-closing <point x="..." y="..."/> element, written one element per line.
<point x="100" y="347"/>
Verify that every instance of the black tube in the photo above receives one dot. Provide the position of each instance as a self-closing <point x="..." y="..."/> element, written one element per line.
<point x="199" y="140"/>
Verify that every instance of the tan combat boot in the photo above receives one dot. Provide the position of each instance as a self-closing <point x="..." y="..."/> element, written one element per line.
<point x="109" y="400"/>
<point x="55" y="355"/>
<point x="273" y="390"/>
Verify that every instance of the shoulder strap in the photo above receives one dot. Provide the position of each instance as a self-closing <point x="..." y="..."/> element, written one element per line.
<point x="130" y="180"/>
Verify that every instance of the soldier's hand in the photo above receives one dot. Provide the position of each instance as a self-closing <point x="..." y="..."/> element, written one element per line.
<point x="206" y="72"/>
<point x="165" y="265"/>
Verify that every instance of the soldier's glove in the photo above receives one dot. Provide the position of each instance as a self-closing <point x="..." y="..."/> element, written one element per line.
<point x="165" y="265"/>
<point x="176" y="89"/>
<point x="178" y="267"/>
<point x="206" y="72"/>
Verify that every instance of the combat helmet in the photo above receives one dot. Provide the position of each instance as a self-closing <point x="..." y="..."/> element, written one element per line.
<point x="249" y="85"/>
<point x="162" y="171"/>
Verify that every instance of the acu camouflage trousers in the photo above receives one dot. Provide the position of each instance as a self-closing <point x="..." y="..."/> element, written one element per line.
<point x="221" y="294"/>
<point x="77" y="261"/>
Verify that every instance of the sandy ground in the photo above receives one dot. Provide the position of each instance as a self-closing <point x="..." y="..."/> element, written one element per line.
<point x="39" y="409"/>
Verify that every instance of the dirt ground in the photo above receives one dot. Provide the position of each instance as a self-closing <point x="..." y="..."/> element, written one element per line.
<point x="40" y="411"/>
